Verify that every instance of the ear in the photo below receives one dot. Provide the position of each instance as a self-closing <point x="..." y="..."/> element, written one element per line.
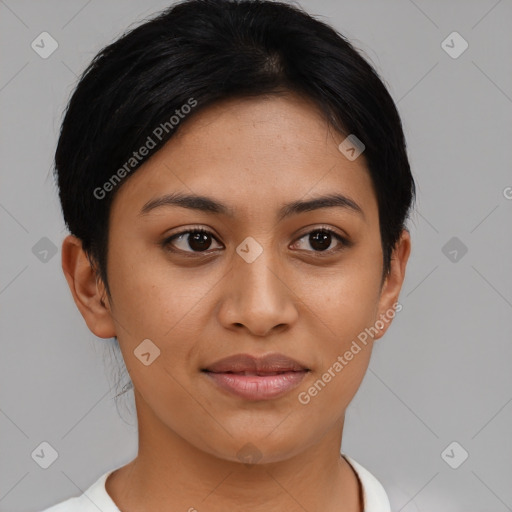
<point x="393" y="284"/>
<point x="82" y="280"/>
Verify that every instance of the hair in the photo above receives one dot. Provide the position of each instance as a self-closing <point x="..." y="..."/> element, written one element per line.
<point x="199" y="52"/>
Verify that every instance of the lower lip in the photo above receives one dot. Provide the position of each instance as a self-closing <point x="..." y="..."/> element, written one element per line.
<point x="258" y="387"/>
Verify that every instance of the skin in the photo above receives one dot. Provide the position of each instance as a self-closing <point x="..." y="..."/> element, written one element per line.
<point x="254" y="155"/>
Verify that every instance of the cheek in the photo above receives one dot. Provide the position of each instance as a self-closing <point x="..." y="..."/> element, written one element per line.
<point x="149" y="294"/>
<point x="344" y="300"/>
<point x="342" y="313"/>
<point x="165" y="304"/>
<point x="343" y="308"/>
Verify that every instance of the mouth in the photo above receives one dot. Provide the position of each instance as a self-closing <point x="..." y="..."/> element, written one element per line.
<point x="254" y="378"/>
<point x="256" y="374"/>
<point x="260" y="386"/>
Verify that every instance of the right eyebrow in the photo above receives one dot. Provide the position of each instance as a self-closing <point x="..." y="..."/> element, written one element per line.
<point x="207" y="204"/>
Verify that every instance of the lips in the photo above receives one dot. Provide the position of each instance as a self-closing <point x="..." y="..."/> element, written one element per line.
<point x="250" y="365"/>
<point x="256" y="378"/>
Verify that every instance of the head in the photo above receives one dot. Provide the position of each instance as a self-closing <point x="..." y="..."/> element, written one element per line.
<point x="232" y="118"/>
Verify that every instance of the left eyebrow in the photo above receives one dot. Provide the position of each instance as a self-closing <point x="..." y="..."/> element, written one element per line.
<point x="206" y="204"/>
<point x="327" y="201"/>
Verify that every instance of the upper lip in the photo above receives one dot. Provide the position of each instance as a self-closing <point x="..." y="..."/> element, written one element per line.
<point x="248" y="363"/>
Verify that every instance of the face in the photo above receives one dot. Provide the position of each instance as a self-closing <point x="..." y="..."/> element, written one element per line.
<point x="260" y="280"/>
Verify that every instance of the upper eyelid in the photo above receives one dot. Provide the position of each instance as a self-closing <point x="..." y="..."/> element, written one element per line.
<point x="191" y="230"/>
<point x="341" y="237"/>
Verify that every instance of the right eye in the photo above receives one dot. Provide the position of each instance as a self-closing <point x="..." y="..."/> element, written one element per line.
<point x="191" y="241"/>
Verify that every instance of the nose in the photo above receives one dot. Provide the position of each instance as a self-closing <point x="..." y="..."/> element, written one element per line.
<point x="258" y="296"/>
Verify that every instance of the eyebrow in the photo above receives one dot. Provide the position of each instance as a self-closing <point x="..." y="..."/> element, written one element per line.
<point x="209" y="205"/>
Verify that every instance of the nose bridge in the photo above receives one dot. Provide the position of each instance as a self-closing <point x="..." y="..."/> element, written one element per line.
<point x="255" y="259"/>
<point x="258" y="297"/>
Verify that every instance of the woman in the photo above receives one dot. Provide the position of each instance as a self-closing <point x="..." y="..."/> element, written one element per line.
<point x="235" y="180"/>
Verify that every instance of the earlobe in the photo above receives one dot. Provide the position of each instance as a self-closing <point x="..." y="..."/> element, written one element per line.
<point x="83" y="284"/>
<point x="390" y="292"/>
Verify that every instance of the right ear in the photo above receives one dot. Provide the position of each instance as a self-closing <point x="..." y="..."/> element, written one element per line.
<point x="82" y="280"/>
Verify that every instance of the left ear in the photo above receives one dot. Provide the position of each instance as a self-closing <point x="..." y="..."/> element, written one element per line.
<point x="393" y="284"/>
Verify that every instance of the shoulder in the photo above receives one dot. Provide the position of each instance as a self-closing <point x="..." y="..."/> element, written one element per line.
<point x="70" y="505"/>
<point x="374" y="495"/>
<point x="93" y="499"/>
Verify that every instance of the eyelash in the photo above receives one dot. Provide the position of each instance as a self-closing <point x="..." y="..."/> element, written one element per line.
<point x="168" y="242"/>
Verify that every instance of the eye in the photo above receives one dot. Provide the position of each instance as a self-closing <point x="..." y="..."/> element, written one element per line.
<point x="197" y="239"/>
<point x="321" y="239"/>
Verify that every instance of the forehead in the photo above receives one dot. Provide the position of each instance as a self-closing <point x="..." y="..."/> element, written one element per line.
<point x="252" y="154"/>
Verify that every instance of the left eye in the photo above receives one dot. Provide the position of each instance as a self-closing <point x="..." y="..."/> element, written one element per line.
<point x="200" y="240"/>
<point x="321" y="239"/>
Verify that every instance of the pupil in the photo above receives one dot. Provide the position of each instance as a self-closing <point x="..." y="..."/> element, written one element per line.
<point x="199" y="241"/>
<point x="319" y="239"/>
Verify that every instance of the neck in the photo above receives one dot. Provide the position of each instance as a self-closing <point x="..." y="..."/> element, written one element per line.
<point x="169" y="473"/>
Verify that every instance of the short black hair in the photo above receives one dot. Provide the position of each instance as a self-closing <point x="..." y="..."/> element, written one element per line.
<point x="196" y="53"/>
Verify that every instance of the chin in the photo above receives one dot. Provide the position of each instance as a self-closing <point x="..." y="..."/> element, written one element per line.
<point x="260" y="448"/>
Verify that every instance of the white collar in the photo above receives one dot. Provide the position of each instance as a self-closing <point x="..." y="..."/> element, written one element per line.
<point x="96" y="497"/>
<point x="375" y="498"/>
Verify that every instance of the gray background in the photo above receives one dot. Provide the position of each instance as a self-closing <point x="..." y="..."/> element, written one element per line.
<point x="440" y="374"/>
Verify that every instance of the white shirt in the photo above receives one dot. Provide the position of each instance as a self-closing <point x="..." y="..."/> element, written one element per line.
<point x="96" y="497"/>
